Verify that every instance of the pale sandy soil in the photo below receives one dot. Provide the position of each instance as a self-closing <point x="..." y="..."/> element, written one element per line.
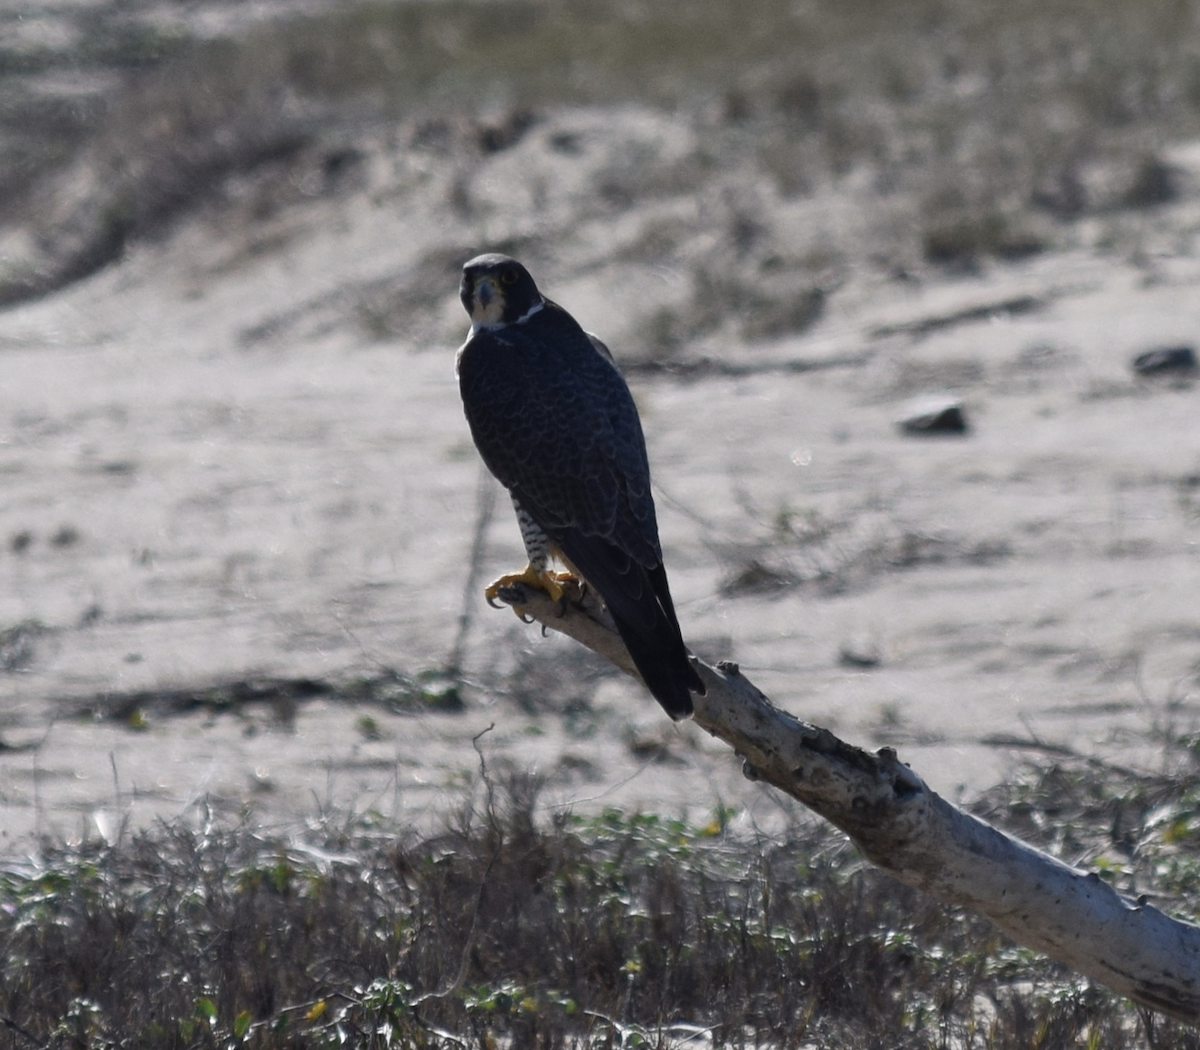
<point x="219" y="463"/>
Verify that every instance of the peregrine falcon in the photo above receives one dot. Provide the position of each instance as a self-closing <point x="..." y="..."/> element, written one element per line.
<point x="554" y="421"/>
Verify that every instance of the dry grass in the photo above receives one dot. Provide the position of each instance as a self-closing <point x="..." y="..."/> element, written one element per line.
<point x="620" y="930"/>
<point x="1004" y="122"/>
<point x="999" y="121"/>
<point x="835" y="553"/>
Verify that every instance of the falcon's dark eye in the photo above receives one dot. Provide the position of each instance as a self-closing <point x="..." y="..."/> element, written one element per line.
<point x="508" y="277"/>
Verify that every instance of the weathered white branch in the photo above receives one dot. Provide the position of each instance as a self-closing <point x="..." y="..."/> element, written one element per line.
<point x="919" y="838"/>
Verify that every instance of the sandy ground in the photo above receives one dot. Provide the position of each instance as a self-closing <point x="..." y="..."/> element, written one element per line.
<point x="214" y="470"/>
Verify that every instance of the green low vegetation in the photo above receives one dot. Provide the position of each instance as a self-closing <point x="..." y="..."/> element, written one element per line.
<point x="619" y="930"/>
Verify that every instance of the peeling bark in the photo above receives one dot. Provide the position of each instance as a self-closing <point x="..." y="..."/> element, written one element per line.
<point x="916" y="836"/>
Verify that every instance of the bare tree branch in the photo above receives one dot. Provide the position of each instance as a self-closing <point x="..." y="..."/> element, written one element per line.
<point x="919" y="838"/>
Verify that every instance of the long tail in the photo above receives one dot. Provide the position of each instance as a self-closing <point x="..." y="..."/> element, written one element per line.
<point x="641" y="607"/>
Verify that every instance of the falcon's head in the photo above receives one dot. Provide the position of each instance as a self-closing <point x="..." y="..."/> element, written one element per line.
<point x="497" y="290"/>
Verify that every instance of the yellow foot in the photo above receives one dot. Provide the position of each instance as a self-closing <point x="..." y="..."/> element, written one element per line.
<point x="553" y="583"/>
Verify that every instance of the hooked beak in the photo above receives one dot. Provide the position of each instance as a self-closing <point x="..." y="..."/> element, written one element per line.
<point x="485" y="292"/>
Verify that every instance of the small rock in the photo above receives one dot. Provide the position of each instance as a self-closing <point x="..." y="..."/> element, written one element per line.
<point x="933" y="415"/>
<point x="17" y="648"/>
<point x="65" y="536"/>
<point x="861" y="657"/>
<point x="1165" y="359"/>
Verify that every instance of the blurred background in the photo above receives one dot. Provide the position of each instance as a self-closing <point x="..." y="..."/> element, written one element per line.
<point x="977" y="129"/>
<point x="243" y="528"/>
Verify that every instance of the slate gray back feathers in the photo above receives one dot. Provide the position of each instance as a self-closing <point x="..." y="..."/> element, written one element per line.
<point x="555" y="422"/>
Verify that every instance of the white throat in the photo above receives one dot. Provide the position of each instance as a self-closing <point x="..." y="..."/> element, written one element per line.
<point x="485" y="326"/>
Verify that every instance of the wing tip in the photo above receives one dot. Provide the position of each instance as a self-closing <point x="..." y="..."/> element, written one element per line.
<point x="678" y="706"/>
<point x="675" y="696"/>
